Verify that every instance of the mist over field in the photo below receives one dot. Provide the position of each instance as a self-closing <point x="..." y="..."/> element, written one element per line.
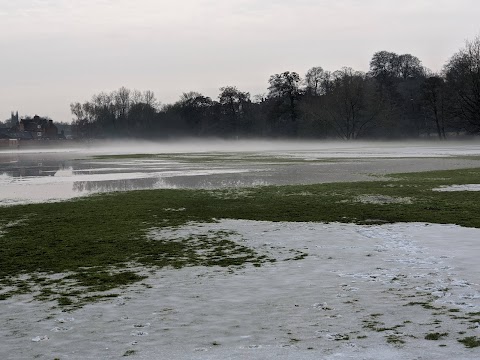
<point x="323" y="148"/>
<point x="248" y="179"/>
<point x="347" y="261"/>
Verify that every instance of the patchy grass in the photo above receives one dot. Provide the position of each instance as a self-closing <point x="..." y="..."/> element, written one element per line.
<point x="64" y="301"/>
<point x="470" y="341"/>
<point x="129" y="353"/>
<point x="435" y="336"/>
<point x="340" y="337"/>
<point x="100" y="241"/>
<point x="103" y="281"/>
<point x="425" y="305"/>
<point x="395" y="339"/>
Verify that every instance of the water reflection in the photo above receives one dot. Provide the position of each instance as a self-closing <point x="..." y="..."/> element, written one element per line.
<point x="28" y="169"/>
<point x="50" y="177"/>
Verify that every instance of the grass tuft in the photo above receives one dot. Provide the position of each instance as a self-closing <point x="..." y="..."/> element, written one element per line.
<point x="470" y="341"/>
<point x="435" y="336"/>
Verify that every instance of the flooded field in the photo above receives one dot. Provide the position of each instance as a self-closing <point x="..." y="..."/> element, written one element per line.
<point x="43" y="175"/>
<point x="371" y="270"/>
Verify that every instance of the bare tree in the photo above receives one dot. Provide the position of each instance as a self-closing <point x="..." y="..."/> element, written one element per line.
<point x="136" y="97"/>
<point x="195" y="110"/>
<point x="409" y="66"/>
<point x="434" y="102"/>
<point x="313" y="81"/>
<point x="233" y="103"/>
<point x="317" y="81"/>
<point x="77" y="111"/>
<point x="150" y="99"/>
<point x="285" y="90"/>
<point x="122" y="101"/>
<point x="463" y="81"/>
<point x="346" y="107"/>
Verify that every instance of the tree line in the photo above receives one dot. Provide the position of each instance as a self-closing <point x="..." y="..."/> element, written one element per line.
<point x="397" y="98"/>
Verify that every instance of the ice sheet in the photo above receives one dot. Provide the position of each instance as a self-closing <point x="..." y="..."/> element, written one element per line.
<point x="465" y="187"/>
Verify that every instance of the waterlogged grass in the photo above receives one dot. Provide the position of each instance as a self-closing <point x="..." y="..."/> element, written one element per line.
<point x="98" y="242"/>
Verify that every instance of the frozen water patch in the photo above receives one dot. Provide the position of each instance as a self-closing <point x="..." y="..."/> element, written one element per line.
<point x="5" y="178"/>
<point x="69" y="176"/>
<point x="382" y="199"/>
<point x="465" y="187"/>
<point x="4" y="227"/>
<point x="359" y="288"/>
<point x="40" y="338"/>
<point x="13" y="194"/>
<point x="68" y="172"/>
<point x="67" y="183"/>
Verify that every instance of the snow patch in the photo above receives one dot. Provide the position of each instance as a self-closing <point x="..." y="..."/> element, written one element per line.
<point x="360" y="293"/>
<point x="465" y="187"/>
<point x="382" y="199"/>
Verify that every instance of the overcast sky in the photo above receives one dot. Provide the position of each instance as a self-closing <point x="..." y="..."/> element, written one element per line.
<point x="55" y="52"/>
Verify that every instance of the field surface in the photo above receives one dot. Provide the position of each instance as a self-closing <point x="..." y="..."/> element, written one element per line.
<point x="283" y="251"/>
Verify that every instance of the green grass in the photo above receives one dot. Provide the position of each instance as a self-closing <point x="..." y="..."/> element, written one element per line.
<point x="99" y="241"/>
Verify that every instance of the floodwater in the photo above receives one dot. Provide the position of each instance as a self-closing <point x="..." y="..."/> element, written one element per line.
<point x="43" y="175"/>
